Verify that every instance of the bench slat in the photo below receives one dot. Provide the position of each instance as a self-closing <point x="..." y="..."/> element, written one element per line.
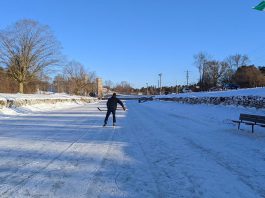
<point x="252" y="120"/>
<point x="249" y="123"/>
<point x="262" y="121"/>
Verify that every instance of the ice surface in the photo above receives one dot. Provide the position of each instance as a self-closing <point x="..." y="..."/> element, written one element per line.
<point x="158" y="149"/>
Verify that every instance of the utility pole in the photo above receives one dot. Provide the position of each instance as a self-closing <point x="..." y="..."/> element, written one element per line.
<point x="160" y="87"/>
<point x="158" y="84"/>
<point x="147" y="93"/>
<point x="187" y="77"/>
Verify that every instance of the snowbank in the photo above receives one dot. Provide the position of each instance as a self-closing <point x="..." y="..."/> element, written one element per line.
<point x="20" y="100"/>
<point x="245" y="101"/>
<point x="229" y="93"/>
<point x="243" y="97"/>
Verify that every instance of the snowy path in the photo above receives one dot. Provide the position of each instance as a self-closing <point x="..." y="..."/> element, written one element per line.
<point x="159" y="149"/>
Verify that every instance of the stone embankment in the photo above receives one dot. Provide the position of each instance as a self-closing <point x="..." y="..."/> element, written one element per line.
<point x="245" y="101"/>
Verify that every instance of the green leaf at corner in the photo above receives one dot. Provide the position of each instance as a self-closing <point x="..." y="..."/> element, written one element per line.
<point x="261" y="6"/>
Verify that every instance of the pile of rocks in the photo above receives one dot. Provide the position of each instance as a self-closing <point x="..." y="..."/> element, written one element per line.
<point x="245" y="101"/>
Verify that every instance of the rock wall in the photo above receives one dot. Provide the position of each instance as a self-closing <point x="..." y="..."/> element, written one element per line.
<point x="245" y="101"/>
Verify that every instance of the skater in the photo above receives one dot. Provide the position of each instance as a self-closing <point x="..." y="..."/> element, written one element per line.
<point x="112" y="106"/>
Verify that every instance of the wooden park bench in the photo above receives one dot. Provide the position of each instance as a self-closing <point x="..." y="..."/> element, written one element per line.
<point x="252" y="120"/>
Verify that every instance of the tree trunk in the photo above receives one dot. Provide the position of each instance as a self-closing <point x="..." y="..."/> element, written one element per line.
<point x="21" y="87"/>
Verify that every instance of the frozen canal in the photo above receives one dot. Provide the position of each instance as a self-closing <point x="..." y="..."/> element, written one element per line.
<point x="158" y="149"/>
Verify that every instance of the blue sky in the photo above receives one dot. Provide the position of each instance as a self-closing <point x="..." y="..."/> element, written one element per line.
<point x="135" y="40"/>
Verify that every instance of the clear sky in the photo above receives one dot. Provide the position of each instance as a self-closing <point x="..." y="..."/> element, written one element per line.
<point x="135" y="40"/>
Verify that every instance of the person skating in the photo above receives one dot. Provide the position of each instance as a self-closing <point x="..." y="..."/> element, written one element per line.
<point x="111" y="108"/>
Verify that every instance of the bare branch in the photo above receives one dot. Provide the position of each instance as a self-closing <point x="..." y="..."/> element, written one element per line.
<point x="27" y="48"/>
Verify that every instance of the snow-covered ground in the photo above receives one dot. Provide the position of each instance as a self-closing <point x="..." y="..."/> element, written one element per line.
<point x="6" y="96"/>
<point x="227" y="93"/>
<point x="15" y="104"/>
<point x="158" y="149"/>
<point x="37" y="108"/>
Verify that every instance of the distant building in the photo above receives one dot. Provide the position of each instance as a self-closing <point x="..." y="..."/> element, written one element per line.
<point x="99" y="88"/>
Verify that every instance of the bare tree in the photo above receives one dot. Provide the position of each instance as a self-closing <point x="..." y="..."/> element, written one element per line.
<point x="237" y="60"/>
<point x="228" y="72"/>
<point x="199" y="61"/>
<point x="215" y="72"/>
<point x="80" y="82"/>
<point x="7" y="85"/>
<point x="59" y="84"/>
<point x="26" y="49"/>
<point x="108" y="84"/>
<point x="124" y="87"/>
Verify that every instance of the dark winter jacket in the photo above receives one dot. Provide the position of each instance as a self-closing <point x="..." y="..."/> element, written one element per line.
<point x="112" y="103"/>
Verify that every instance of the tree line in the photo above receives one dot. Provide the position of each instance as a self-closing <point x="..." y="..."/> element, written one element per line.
<point x="213" y="74"/>
<point x="123" y="87"/>
<point x="30" y="54"/>
<point x="233" y="69"/>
